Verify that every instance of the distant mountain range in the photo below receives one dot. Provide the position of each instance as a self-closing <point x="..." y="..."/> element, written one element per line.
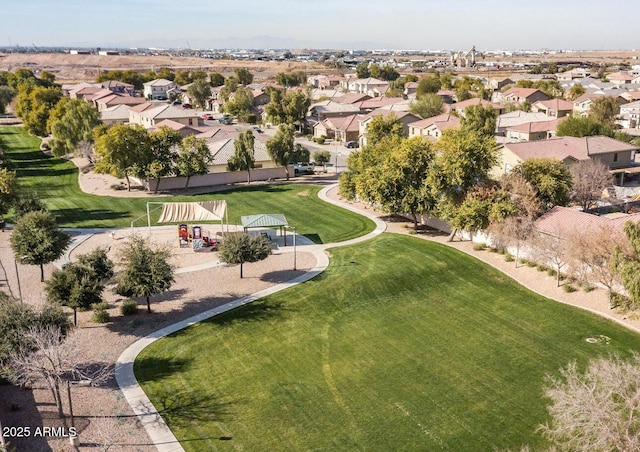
<point x="234" y="42"/>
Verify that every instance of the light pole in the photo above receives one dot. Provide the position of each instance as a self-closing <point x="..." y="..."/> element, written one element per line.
<point x="338" y="154"/>
<point x="15" y="263"/>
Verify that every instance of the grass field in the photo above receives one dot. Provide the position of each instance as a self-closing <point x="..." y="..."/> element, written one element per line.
<point x="401" y="344"/>
<point x="56" y="182"/>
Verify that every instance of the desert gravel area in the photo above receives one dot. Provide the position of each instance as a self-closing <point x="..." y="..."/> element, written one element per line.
<point x="103" y="417"/>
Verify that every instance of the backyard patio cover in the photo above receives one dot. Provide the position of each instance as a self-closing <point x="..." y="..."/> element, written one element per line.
<point x="173" y="212"/>
<point x="266" y="220"/>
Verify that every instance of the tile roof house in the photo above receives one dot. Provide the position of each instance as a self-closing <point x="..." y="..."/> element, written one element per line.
<point x="157" y="89"/>
<point x="563" y="221"/>
<point x="83" y="90"/>
<point x="182" y="129"/>
<point x="119" y="87"/>
<point x="114" y="99"/>
<point x="459" y="107"/>
<point x="118" y="114"/>
<point x="573" y="74"/>
<point x="404" y="117"/>
<point x="532" y="131"/>
<point x="517" y="117"/>
<point x="521" y="95"/>
<point x="343" y="129"/>
<point x="371" y="86"/>
<point x="434" y="126"/>
<point x="150" y="114"/>
<point x="620" y="78"/>
<point x="582" y="105"/>
<point x="630" y="115"/>
<point x="223" y="150"/>
<point x="331" y="109"/>
<point x="556" y="108"/>
<point x="613" y="153"/>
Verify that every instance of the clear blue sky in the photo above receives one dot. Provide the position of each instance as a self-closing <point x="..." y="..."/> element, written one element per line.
<point x="401" y="24"/>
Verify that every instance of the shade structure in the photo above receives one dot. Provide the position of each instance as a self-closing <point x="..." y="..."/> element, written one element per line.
<point x="266" y="220"/>
<point x="174" y="212"/>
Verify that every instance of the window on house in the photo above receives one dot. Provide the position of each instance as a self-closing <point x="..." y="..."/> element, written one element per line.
<point x="507" y="168"/>
<point x="615" y="157"/>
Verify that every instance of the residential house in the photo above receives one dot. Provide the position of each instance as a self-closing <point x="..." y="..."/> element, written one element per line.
<point x="582" y="105"/>
<point x="573" y="74"/>
<point x="343" y="129"/>
<point x="517" y="117"/>
<point x="331" y="109"/>
<point x="459" y="107"/>
<point x="83" y="90"/>
<point x="521" y="95"/>
<point x="404" y="117"/>
<point x="410" y="89"/>
<point x="182" y="129"/>
<point x="119" y="87"/>
<point x="371" y="104"/>
<point x="158" y="89"/>
<point x="613" y="153"/>
<point x="434" y="126"/>
<point x="630" y="115"/>
<point x="111" y="100"/>
<point x="446" y="95"/>
<point x="352" y="98"/>
<point x="620" y="78"/>
<point x="371" y="86"/>
<point x="118" y="114"/>
<point x="533" y="131"/>
<point x="151" y="114"/>
<point x="556" y="108"/>
<point x="498" y="83"/>
<point x="635" y="80"/>
<point x="563" y="221"/>
<point x="223" y="150"/>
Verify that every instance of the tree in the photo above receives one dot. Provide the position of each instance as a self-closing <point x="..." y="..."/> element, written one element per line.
<point x="596" y="410"/>
<point x="239" y="248"/>
<point x="575" y="126"/>
<point x="244" y="76"/>
<point x="593" y="256"/>
<point x="383" y="126"/>
<point x="628" y="263"/>
<point x="5" y="98"/>
<point x="200" y="92"/>
<point x="244" y="157"/>
<point x="36" y="240"/>
<point x="241" y="104"/>
<point x="464" y="160"/>
<point x="216" y="78"/>
<point x="288" y="79"/>
<point x="605" y="109"/>
<point x="121" y="149"/>
<point x="575" y="92"/>
<point x="33" y="105"/>
<point x="164" y="144"/>
<point x="399" y="183"/>
<point x="73" y="286"/>
<point x="16" y="318"/>
<point x="477" y="117"/>
<point x="322" y="158"/>
<point x="280" y="147"/>
<point x="193" y="158"/>
<point x="295" y="106"/>
<point x="230" y="86"/>
<point x="275" y="109"/>
<point x="72" y="122"/>
<point x="183" y="78"/>
<point x="427" y="105"/>
<point x="146" y="270"/>
<point x="55" y="359"/>
<point x="300" y="154"/>
<point x="428" y="85"/>
<point x="549" y="177"/>
<point x="589" y="179"/>
<point x="8" y="192"/>
<point x="387" y="73"/>
<point x="362" y="70"/>
<point x="28" y="202"/>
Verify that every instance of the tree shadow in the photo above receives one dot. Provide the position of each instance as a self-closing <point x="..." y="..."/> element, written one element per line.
<point x="18" y="408"/>
<point x="182" y="408"/>
<point x="158" y="368"/>
<point x="252" y="312"/>
<point x="315" y="238"/>
<point x="281" y="276"/>
<point x="70" y="217"/>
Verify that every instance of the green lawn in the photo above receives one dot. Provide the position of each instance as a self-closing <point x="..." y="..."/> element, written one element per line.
<point x="401" y="344"/>
<point x="56" y="182"/>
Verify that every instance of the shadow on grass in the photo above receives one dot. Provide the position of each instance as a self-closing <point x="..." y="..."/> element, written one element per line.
<point x="182" y="408"/>
<point x="315" y="238"/>
<point x="157" y="368"/>
<point x="253" y="312"/>
<point x="69" y="217"/>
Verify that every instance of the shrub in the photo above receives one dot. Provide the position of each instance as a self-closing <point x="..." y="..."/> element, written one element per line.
<point x="502" y="251"/>
<point x="321" y="139"/>
<point x="542" y="268"/>
<point x="118" y="187"/>
<point x="617" y="300"/>
<point x="480" y="246"/>
<point x="100" y="316"/>
<point x="530" y="264"/>
<point x="129" y="307"/>
<point x="569" y="288"/>
<point x="100" y="306"/>
<point x="551" y="272"/>
<point x="509" y="258"/>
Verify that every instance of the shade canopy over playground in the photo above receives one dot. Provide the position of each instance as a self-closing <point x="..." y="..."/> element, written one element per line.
<point x="266" y="220"/>
<point x="173" y="212"/>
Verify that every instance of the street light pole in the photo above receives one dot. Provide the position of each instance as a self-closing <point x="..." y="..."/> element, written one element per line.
<point x="294" y="248"/>
<point x="15" y="263"/>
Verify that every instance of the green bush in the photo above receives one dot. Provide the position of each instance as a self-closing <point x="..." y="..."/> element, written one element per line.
<point x="100" y="306"/>
<point x="509" y="258"/>
<point x="252" y="118"/>
<point x="480" y="246"/>
<point x="530" y="264"/>
<point x="617" y="300"/>
<point x="502" y="251"/>
<point x="551" y="272"/>
<point x="100" y="316"/>
<point x="569" y="288"/>
<point x="542" y="268"/>
<point x="129" y="307"/>
<point x="321" y="139"/>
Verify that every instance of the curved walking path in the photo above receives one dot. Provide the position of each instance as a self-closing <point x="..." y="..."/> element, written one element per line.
<point x="149" y="417"/>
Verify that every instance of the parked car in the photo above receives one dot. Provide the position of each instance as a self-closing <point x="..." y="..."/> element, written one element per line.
<point x="186" y="106"/>
<point x="302" y="167"/>
<point x="225" y="120"/>
<point x="352" y="144"/>
<point x="207" y="116"/>
<point x="257" y="129"/>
